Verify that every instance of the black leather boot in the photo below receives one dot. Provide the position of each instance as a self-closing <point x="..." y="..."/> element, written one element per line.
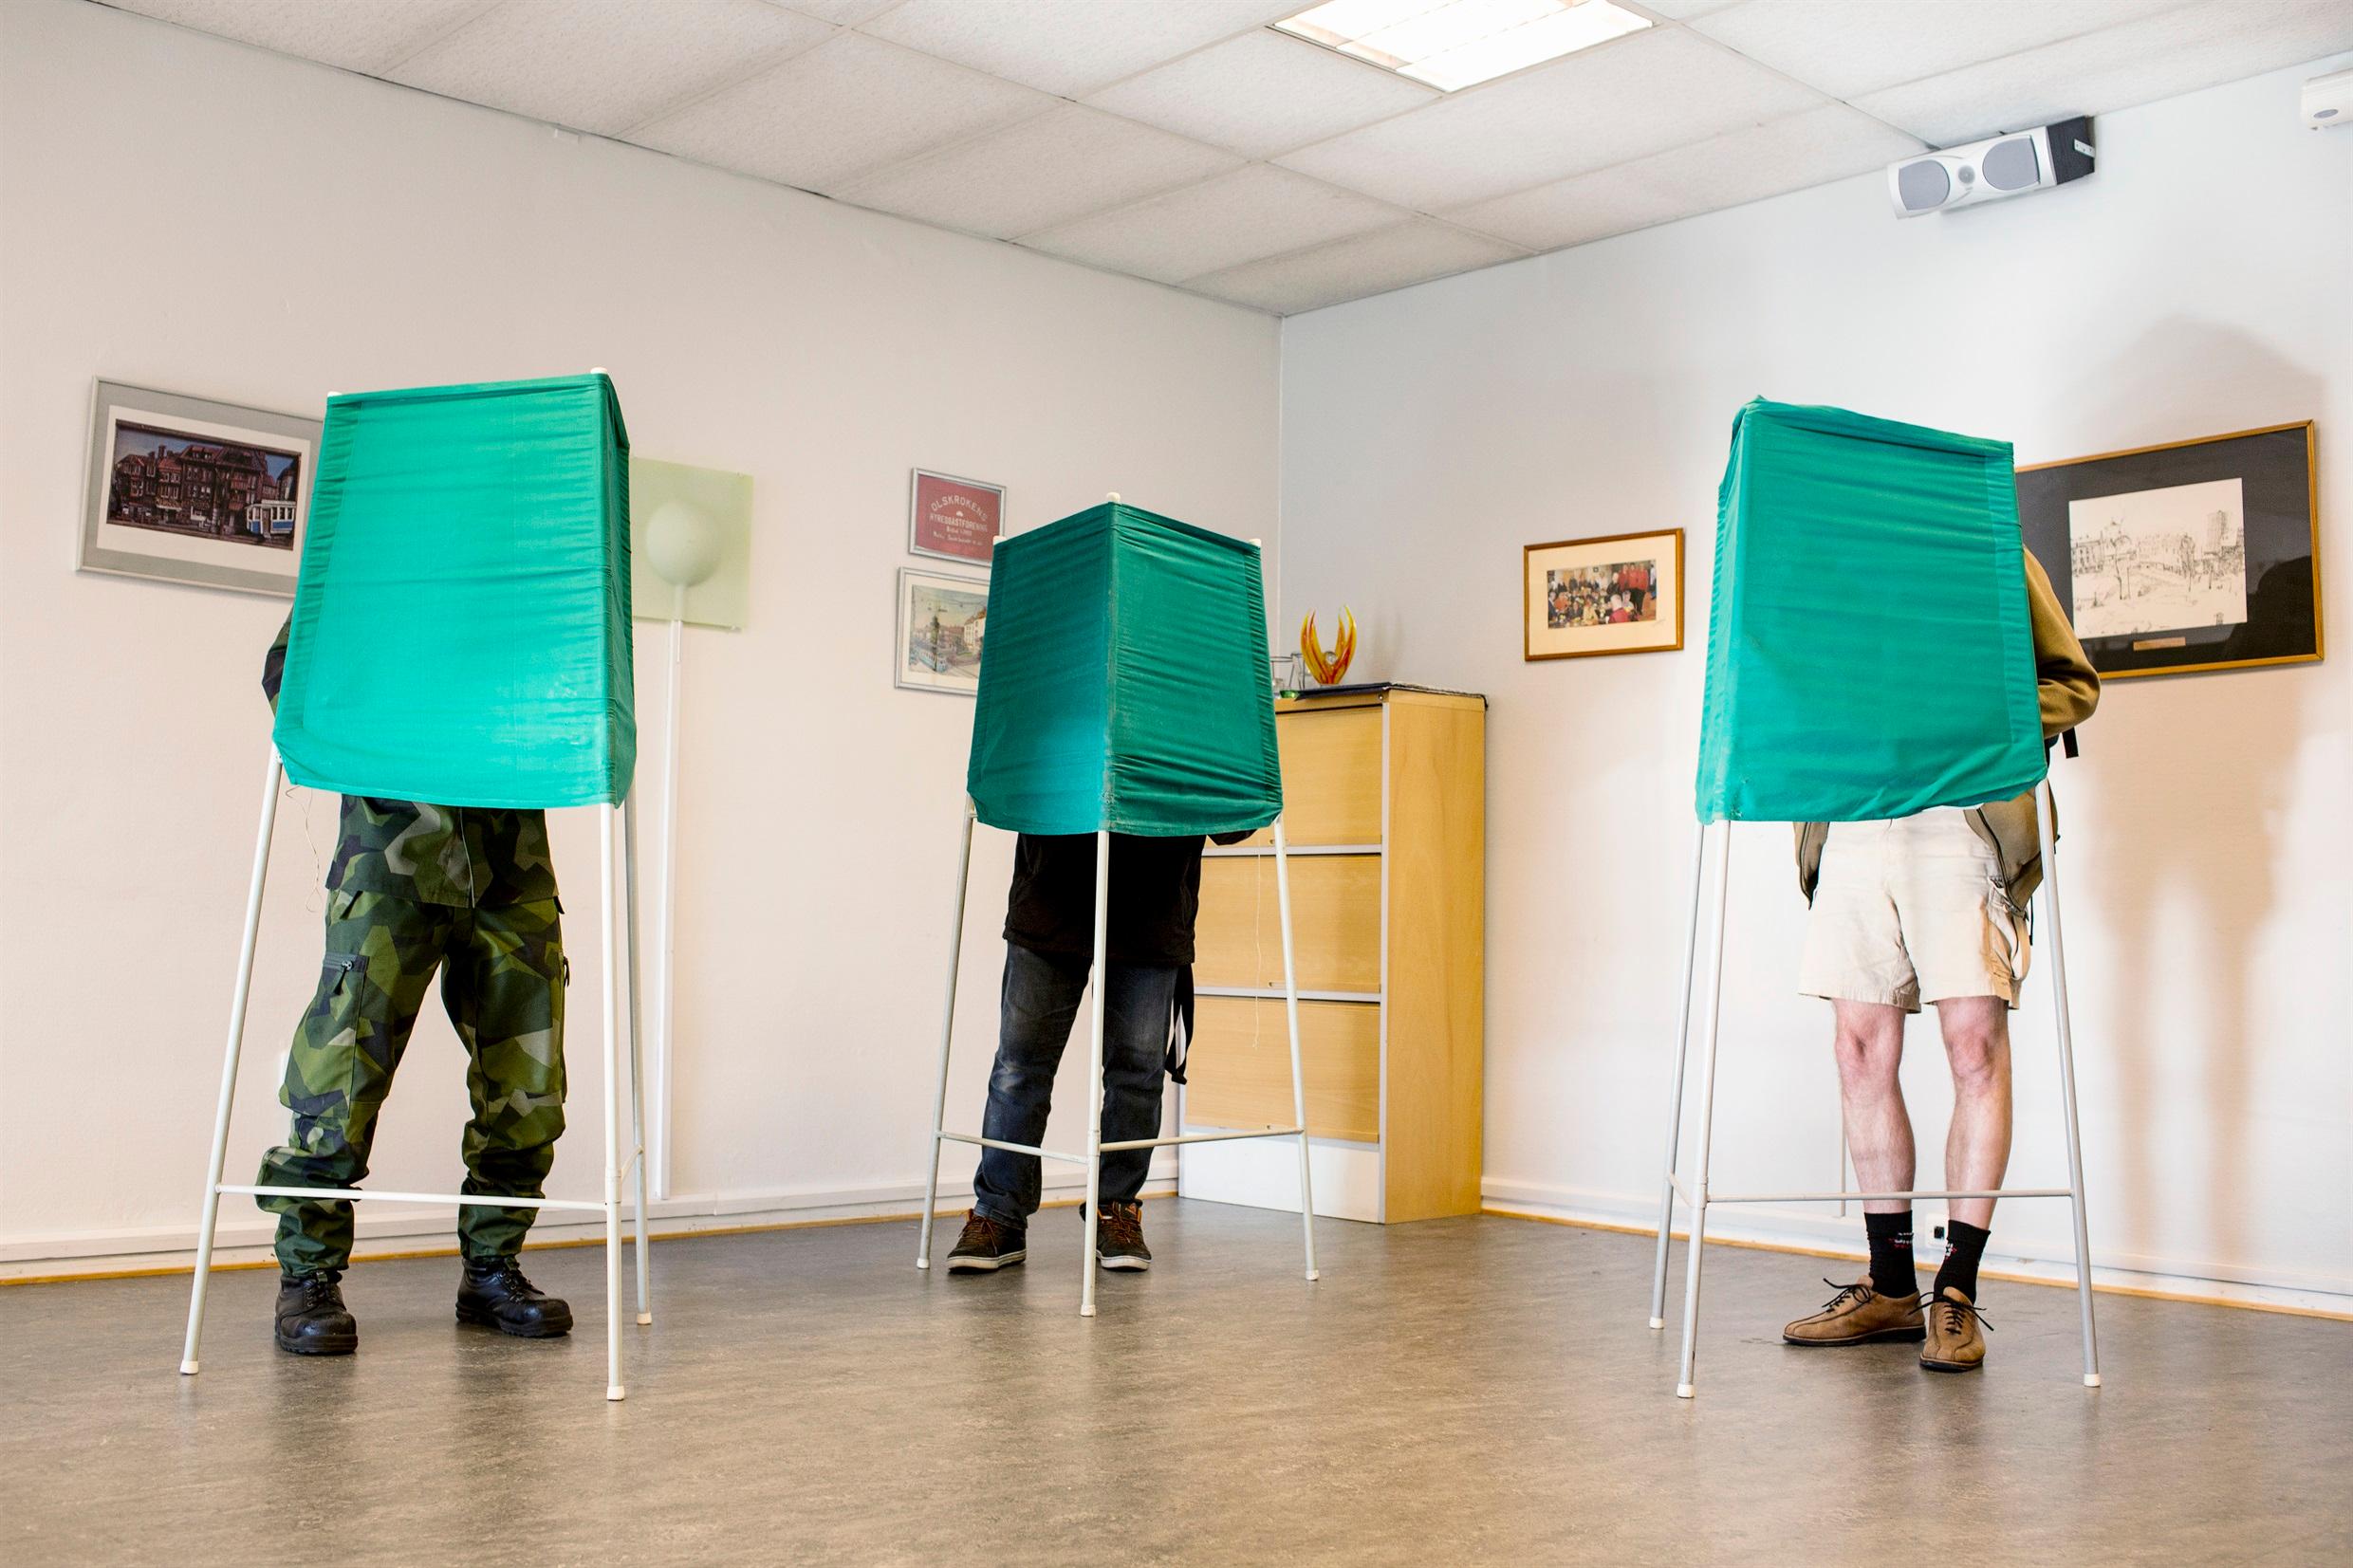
<point x="311" y="1317"/>
<point x="495" y="1294"/>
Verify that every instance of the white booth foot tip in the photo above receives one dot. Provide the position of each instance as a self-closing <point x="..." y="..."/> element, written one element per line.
<point x="1684" y="1391"/>
<point x="644" y="1317"/>
<point x="1314" y="1275"/>
<point x="1086" y="1312"/>
<point x="1659" y="1322"/>
<point x="187" y="1369"/>
<point x="2091" y="1379"/>
<point x="924" y="1263"/>
<point x="616" y="1394"/>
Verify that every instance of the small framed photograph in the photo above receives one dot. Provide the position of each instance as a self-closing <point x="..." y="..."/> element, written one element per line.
<point x="1617" y="594"/>
<point x="187" y="490"/>
<point x="2194" y="555"/>
<point x="954" y="519"/>
<point x="942" y="618"/>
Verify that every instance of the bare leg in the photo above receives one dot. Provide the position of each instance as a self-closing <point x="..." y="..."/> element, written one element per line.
<point x="1976" y="1151"/>
<point x="1878" y="1129"/>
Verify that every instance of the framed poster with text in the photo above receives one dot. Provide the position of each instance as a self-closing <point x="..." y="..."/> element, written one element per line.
<point x="954" y="519"/>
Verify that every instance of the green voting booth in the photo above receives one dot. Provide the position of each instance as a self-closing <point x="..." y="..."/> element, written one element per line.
<point x="461" y="635"/>
<point x="1125" y="688"/>
<point x="461" y="623"/>
<point x="1869" y="657"/>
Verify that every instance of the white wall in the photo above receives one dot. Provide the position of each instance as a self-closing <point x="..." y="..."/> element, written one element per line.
<point x="190" y="214"/>
<point x="2198" y="284"/>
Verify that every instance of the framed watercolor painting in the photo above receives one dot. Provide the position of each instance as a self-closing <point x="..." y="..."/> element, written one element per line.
<point x="184" y="489"/>
<point x="2193" y="555"/>
<point x="1615" y="594"/>
<point x="942" y="618"/>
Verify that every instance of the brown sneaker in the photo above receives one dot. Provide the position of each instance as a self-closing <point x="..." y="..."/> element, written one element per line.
<point x="1857" y="1315"/>
<point x="987" y="1245"/>
<point x="1120" y="1238"/>
<point x="1954" y="1343"/>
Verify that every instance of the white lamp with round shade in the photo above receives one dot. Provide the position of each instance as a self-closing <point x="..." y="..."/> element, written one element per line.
<point x="691" y="563"/>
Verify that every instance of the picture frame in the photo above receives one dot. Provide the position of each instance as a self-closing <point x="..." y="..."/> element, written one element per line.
<point x="942" y="618"/>
<point x="1620" y="593"/>
<point x="2184" y="557"/>
<point x="951" y="518"/>
<point x="186" y="489"/>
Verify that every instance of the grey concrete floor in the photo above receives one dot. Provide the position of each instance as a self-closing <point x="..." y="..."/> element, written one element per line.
<point x="1455" y="1392"/>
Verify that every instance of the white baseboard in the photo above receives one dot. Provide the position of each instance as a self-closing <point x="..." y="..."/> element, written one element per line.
<point x="406" y="1229"/>
<point x="2303" y="1290"/>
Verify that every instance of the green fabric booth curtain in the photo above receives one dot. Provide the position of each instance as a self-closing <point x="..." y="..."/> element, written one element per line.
<point x="1124" y="682"/>
<point x="1869" y="653"/>
<point x="461" y="622"/>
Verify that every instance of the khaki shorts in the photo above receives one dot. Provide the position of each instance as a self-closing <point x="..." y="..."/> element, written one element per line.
<point x="1909" y="912"/>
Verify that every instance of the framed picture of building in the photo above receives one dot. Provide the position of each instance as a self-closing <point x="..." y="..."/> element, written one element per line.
<point x="187" y="490"/>
<point x="942" y="618"/>
<point x="2193" y="555"/>
<point x="954" y="519"/>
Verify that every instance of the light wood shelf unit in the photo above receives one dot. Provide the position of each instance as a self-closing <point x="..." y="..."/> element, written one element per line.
<point x="1384" y="797"/>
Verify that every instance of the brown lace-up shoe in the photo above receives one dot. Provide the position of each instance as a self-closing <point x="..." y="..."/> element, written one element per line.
<point x="987" y="1245"/>
<point x="1954" y="1343"/>
<point x="1119" y="1237"/>
<point x="1857" y="1315"/>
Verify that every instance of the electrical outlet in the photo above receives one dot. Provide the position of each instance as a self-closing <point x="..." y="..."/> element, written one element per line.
<point x="1928" y="1249"/>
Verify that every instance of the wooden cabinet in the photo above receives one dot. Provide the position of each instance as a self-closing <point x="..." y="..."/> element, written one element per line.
<point x="1385" y="801"/>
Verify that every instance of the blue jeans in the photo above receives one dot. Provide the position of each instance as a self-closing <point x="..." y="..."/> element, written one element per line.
<point x="1041" y="1001"/>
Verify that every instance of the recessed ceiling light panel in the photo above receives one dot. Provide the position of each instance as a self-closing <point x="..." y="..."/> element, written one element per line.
<point x="1456" y="44"/>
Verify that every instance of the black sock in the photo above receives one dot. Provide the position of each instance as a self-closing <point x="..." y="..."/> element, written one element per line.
<point x="1964" y="1247"/>
<point x="1891" y="1253"/>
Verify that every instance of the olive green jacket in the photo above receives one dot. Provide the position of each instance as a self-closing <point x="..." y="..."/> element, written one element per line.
<point x="2069" y="690"/>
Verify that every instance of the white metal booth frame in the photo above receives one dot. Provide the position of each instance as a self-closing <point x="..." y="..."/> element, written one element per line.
<point x="1096" y="1147"/>
<point x="619" y="969"/>
<point x="1696" y="1194"/>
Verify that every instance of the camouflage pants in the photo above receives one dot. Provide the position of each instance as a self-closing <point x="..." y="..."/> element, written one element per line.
<point x="502" y="982"/>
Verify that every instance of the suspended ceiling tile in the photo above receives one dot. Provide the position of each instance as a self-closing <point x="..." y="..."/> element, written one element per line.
<point x="1040" y="173"/>
<point x="1254" y="212"/>
<point x="604" y="65"/>
<point x="358" y="35"/>
<point x="849" y="107"/>
<point x="1813" y="148"/>
<point x="2136" y="62"/>
<point x="1262" y="94"/>
<point x="1068" y="47"/>
<point x="842" y="13"/>
<point x="1623" y="100"/>
<point x="1410" y="252"/>
<point x="1682" y="10"/>
<point x="1846" y="47"/>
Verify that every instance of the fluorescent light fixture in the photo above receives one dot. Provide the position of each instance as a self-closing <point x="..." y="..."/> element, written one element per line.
<point x="1455" y="43"/>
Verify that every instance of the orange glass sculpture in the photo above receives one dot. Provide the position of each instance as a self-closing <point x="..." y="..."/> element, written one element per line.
<point x="1328" y="667"/>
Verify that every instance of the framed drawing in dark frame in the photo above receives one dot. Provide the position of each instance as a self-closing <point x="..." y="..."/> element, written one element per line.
<point x="2193" y="555"/>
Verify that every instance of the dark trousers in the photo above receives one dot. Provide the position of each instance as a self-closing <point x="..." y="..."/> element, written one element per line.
<point x="1040" y="1003"/>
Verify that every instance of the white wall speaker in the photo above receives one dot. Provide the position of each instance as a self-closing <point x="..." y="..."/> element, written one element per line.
<point x="1991" y="169"/>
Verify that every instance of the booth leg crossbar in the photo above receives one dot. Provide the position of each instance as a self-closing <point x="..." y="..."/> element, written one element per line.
<point x="1694" y="1189"/>
<point x="621" y="969"/>
<point x="1096" y="1147"/>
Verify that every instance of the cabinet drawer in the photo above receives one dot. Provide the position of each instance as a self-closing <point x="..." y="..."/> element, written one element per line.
<point x="1335" y="922"/>
<point x="1331" y="777"/>
<point x="1240" y="1072"/>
